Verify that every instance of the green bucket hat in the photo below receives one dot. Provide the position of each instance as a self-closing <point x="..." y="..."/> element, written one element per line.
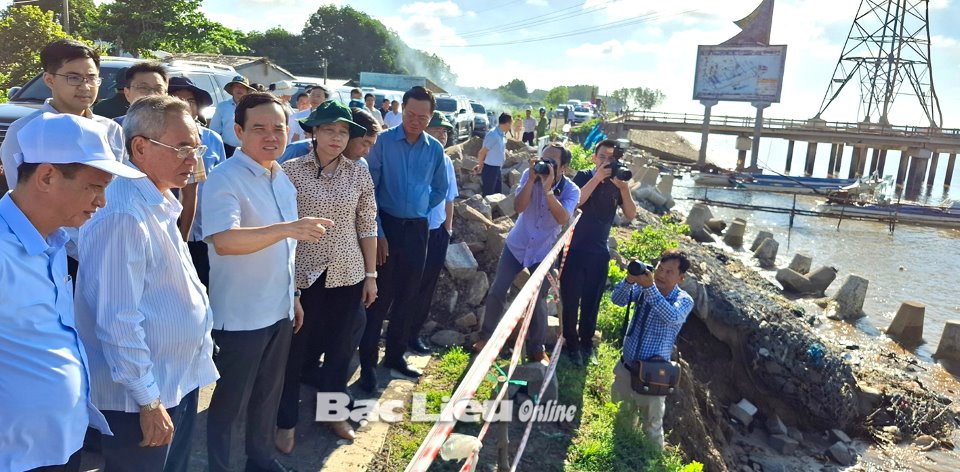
<point x="331" y="112"/>
<point x="440" y="120"/>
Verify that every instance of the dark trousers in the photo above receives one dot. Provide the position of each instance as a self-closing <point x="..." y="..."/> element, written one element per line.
<point x="229" y="150"/>
<point x="528" y="137"/>
<point x="397" y="286"/>
<point x="581" y="288"/>
<point x="72" y="465"/>
<point x="496" y="302"/>
<point x="437" y="245"/>
<point x="329" y="314"/>
<point x="122" y="452"/>
<point x="198" y="252"/>
<point x="251" y="365"/>
<point x="491" y="181"/>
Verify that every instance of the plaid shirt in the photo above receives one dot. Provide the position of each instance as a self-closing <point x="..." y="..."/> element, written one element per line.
<point x="665" y="316"/>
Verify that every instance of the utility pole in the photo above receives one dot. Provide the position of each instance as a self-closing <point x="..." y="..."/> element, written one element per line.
<point x="324" y="71"/>
<point x="66" y="16"/>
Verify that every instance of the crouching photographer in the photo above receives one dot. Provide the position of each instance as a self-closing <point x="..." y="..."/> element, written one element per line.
<point x="645" y="373"/>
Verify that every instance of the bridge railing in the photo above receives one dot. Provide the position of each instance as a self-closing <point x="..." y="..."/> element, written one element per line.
<point x="786" y="124"/>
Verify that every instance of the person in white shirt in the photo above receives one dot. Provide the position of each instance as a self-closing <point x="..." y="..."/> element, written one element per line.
<point x="369" y="101"/>
<point x="393" y="118"/>
<point x="318" y="94"/>
<point x="529" y="128"/>
<point x="142" y="312"/>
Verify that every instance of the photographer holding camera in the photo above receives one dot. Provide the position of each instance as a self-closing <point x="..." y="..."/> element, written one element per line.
<point x="546" y="200"/>
<point x="661" y="308"/>
<point x="602" y="190"/>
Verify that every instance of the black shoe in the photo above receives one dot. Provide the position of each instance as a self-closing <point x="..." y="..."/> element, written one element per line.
<point x="402" y="369"/>
<point x="417" y="345"/>
<point x="274" y="466"/>
<point x="574" y="356"/>
<point x="368" y="380"/>
<point x="589" y="356"/>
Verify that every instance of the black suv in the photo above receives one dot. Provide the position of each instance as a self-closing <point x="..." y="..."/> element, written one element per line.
<point x="210" y="77"/>
<point x="481" y="124"/>
<point x="459" y="113"/>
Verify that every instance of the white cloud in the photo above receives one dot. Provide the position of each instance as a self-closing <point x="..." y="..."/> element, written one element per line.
<point x="439" y="9"/>
<point x="425" y="32"/>
<point x="537" y="3"/>
<point x="612" y="49"/>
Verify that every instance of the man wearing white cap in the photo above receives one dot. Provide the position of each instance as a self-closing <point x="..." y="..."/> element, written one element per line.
<point x="142" y="312"/>
<point x="64" y="166"/>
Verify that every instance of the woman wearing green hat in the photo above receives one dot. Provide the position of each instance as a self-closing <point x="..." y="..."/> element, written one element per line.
<point x="335" y="274"/>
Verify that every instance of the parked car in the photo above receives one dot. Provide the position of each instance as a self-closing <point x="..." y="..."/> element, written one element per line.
<point x="481" y="124"/>
<point x="459" y="113"/>
<point x="580" y="115"/>
<point x="210" y="77"/>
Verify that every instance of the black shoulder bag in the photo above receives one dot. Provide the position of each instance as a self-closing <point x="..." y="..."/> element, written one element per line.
<point x="654" y="376"/>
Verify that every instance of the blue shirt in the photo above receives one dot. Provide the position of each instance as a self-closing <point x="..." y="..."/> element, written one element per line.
<point x="223" y="121"/>
<point x="142" y="312"/>
<point x="45" y="405"/>
<point x="214" y="156"/>
<point x="410" y="179"/>
<point x="536" y="230"/>
<point x="438" y="214"/>
<point x="295" y="149"/>
<point x="665" y="316"/>
<point x="255" y="290"/>
<point x="496" y="145"/>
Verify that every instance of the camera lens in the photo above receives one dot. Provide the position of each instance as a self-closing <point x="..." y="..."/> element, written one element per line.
<point x="624" y="174"/>
<point x="542" y="168"/>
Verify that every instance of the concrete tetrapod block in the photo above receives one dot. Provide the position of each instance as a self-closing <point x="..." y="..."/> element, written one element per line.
<point x="656" y="198"/>
<point x="717" y="225"/>
<point x="649" y="176"/>
<point x="949" y="347"/>
<point x="849" y="299"/>
<point x="793" y="281"/>
<point x="665" y="186"/>
<point x="801" y="263"/>
<point x="821" y="278"/>
<point x="697" y="220"/>
<point x="907" y="326"/>
<point x="734" y="233"/>
<point x="759" y="239"/>
<point x="766" y="254"/>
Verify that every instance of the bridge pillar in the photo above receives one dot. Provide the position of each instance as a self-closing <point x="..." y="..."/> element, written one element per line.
<point x="757" y="131"/>
<point x="902" y="169"/>
<point x="881" y="162"/>
<point x="862" y="165"/>
<point x="833" y="158"/>
<point x="857" y="162"/>
<point x="918" y="169"/>
<point x="949" y="176"/>
<point x="836" y="167"/>
<point x="933" y="169"/>
<point x="743" y="145"/>
<point x="790" y="144"/>
<point x="811" y="158"/>
<point x="705" y="131"/>
<point x="875" y="160"/>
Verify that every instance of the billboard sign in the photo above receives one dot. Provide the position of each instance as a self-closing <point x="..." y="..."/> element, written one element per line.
<point x="739" y="73"/>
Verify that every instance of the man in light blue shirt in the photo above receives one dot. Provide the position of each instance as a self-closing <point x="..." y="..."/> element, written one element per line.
<point x="492" y="156"/>
<point x="142" y="312"/>
<point x="250" y="221"/>
<point x="440" y="222"/>
<point x="64" y="166"/>
<point x="410" y="178"/>
<point x="222" y="121"/>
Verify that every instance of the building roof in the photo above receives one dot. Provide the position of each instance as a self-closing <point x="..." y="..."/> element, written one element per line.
<point x="233" y="61"/>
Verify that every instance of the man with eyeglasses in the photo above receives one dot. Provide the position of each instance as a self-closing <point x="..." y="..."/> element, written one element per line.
<point x="317" y="94"/>
<point x="142" y="312"/>
<point x="71" y="70"/>
<point x="407" y="167"/>
<point x="144" y="79"/>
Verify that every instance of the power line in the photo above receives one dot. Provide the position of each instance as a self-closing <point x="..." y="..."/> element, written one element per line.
<point x="556" y="15"/>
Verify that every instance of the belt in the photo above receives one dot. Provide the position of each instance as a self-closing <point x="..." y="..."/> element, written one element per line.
<point x="402" y="221"/>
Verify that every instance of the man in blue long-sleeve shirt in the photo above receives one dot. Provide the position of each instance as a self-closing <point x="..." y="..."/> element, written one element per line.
<point x="661" y="309"/>
<point x="408" y="173"/>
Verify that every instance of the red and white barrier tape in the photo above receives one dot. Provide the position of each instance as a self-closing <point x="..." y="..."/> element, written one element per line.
<point x="522" y="305"/>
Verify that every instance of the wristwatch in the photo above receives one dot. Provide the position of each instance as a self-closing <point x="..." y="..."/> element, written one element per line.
<point x="370" y="275"/>
<point x="296" y="293"/>
<point x="150" y="406"/>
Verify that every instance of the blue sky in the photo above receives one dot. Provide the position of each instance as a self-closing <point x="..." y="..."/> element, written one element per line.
<point x="657" y="51"/>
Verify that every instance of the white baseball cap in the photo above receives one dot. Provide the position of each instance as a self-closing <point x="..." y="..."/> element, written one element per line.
<point x="62" y="138"/>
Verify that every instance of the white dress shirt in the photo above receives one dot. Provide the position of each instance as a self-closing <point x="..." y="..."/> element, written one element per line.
<point x="392" y="119"/>
<point x="143" y="314"/>
<point x="255" y="290"/>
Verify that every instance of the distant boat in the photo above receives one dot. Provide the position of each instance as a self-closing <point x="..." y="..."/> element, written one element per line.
<point x="945" y="215"/>
<point x="714" y="179"/>
<point x="789" y="184"/>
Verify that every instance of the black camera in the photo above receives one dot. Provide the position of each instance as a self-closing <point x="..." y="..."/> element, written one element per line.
<point x="620" y="171"/>
<point x="636" y="268"/>
<point x="542" y="167"/>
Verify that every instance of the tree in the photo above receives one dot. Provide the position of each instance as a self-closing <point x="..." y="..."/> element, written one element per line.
<point x="350" y="40"/>
<point x="138" y="26"/>
<point x="84" y="14"/>
<point x="283" y="48"/>
<point x="24" y="31"/>
<point x="515" y="87"/>
<point x="556" y="96"/>
<point x="422" y="63"/>
<point x="638" y="97"/>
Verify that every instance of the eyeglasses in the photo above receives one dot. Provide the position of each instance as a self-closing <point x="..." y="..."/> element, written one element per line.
<point x="143" y="89"/>
<point x="183" y="152"/>
<point x="78" y="80"/>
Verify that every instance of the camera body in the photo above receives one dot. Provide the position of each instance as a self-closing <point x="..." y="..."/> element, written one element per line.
<point x="620" y="171"/>
<point x="636" y="268"/>
<point x="542" y="167"/>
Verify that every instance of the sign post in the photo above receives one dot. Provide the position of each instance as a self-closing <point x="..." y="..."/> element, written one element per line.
<point x="705" y="131"/>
